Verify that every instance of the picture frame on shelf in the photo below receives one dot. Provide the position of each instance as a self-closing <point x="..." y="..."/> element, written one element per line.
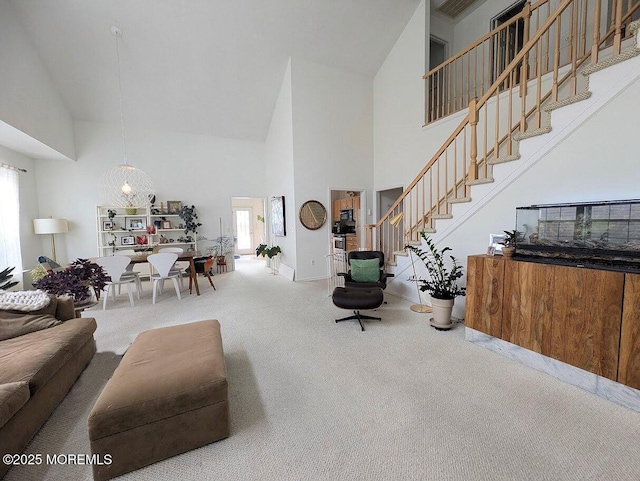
<point x="107" y="225"/>
<point x="128" y="240"/>
<point x="495" y="241"/>
<point x="166" y="224"/>
<point x="136" y="223"/>
<point x="173" y="206"/>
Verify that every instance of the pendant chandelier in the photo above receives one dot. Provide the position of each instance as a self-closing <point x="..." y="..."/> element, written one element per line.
<point x="124" y="185"/>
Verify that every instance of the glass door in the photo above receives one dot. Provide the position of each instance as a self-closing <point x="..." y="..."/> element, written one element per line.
<point x="243" y="230"/>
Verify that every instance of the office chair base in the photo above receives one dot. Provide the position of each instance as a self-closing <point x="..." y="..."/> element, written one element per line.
<point x="359" y="317"/>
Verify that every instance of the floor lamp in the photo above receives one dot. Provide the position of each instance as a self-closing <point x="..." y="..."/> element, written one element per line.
<point x="394" y="221"/>
<point x="52" y="227"/>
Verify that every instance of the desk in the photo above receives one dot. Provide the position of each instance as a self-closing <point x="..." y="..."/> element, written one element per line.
<point x="185" y="256"/>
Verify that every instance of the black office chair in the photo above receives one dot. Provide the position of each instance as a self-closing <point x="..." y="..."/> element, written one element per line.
<point x="381" y="282"/>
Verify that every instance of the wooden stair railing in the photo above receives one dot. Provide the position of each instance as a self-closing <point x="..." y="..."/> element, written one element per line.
<point x="450" y="86"/>
<point x="508" y="111"/>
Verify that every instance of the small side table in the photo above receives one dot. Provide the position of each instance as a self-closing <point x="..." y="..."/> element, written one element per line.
<point x="221" y="263"/>
<point x="79" y="308"/>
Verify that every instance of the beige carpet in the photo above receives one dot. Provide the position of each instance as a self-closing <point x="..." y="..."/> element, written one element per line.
<point x="315" y="400"/>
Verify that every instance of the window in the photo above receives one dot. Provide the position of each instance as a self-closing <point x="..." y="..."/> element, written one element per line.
<point x="10" y="255"/>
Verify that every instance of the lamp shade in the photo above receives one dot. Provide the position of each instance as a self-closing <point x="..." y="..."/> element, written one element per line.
<point x="126" y="186"/>
<point x="50" y="226"/>
<point x="395" y="220"/>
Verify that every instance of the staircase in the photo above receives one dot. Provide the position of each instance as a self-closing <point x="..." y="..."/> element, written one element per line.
<point x="551" y="71"/>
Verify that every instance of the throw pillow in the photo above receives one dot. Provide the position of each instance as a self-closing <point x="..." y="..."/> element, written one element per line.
<point x="365" y="270"/>
<point x="14" y="324"/>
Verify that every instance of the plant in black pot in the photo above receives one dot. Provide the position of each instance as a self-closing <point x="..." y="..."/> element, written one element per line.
<point x="75" y="280"/>
<point x="442" y="284"/>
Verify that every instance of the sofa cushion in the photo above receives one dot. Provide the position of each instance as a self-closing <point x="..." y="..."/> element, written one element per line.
<point x="13" y="396"/>
<point x="37" y="356"/>
<point x="13" y="324"/>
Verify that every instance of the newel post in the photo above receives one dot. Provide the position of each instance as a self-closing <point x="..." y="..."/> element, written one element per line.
<point x="369" y="236"/>
<point x="473" y="148"/>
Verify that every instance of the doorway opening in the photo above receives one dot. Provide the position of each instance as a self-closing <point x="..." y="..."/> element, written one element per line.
<point x="508" y="43"/>
<point x="386" y="198"/>
<point x="435" y="89"/>
<point x="248" y="216"/>
<point x="348" y="215"/>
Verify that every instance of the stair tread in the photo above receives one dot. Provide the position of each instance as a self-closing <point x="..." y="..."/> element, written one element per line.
<point x="488" y="180"/>
<point x="459" y="200"/>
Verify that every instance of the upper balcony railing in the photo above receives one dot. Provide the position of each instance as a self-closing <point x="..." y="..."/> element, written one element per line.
<point x="573" y="36"/>
<point x="469" y="74"/>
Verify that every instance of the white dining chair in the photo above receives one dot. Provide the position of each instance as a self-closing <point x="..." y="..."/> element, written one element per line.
<point x="176" y="268"/>
<point x="162" y="263"/>
<point x="129" y="272"/>
<point x="115" y="267"/>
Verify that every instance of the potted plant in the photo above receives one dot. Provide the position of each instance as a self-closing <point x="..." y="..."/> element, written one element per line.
<point x="190" y="217"/>
<point x="509" y="242"/>
<point x="272" y="256"/>
<point x="75" y="280"/>
<point x="5" y="279"/>
<point x="263" y="250"/>
<point x="442" y="284"/>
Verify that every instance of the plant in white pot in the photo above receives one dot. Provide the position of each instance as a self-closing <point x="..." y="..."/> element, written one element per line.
<point x="442" y="284"/>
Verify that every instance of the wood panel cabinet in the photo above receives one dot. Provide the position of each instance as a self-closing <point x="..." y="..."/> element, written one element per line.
<point x="485" y="278"/>
<point x="585" y="317"/>
<point x="528" y="306"/>
<point x="335" y="210"/>
<point x="629" y="363"/>
<point x="352" y="243"/>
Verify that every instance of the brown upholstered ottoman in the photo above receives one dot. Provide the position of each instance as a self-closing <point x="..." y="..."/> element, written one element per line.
<point x="167" y="396"/>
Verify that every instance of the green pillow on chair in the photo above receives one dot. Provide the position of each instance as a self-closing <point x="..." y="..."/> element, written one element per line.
<point x="365" y="270"/>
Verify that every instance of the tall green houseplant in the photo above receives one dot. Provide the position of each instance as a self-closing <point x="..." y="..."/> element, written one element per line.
<point x="442" y="283"/>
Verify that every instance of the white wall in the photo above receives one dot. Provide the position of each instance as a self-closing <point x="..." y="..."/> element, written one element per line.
<point x="279" y="173"/>
<point x="200" y="170"/>
<point x="28" y="99"/>
<point x="332" y="145"/>
<point x="398" y="98"/>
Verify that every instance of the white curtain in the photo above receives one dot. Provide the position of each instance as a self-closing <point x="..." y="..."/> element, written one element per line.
<point x="10" y="255"/>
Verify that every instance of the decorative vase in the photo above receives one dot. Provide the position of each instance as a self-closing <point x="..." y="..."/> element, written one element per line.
<point x="275" y="264"/>
<point x="131" y="210"/>
<point x="442" y="308"/>
<point x="508" y="251"/>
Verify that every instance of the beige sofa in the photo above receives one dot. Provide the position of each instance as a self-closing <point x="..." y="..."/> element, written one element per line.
<point x="37" y="369"/>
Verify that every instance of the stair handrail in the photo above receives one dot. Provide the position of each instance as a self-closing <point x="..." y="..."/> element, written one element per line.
<point x="465" y="120"/>
<point x="522" y="15"/>
<point x="472" y="116"/>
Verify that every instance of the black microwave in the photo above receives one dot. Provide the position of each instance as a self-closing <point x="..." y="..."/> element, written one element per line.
<point x="346" y="215"/>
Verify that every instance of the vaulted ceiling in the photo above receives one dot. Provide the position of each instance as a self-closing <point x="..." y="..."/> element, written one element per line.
<point x="210" y="67"/>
